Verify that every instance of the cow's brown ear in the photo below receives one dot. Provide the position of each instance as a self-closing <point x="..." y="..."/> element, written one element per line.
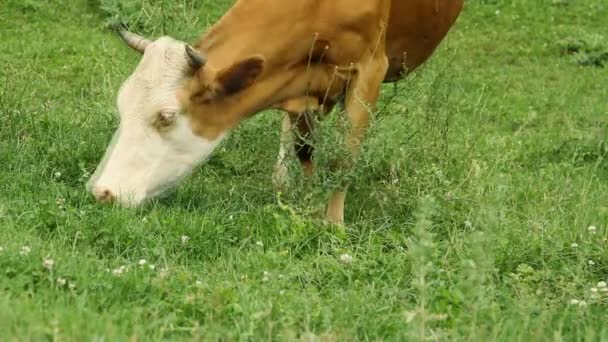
<point x="239" y="75"/>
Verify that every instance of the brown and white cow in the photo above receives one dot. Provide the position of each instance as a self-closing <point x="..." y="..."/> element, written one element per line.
<point x="301" y="56"/>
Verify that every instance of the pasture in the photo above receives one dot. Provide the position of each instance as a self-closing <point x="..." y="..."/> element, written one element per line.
<point x="478" y="211"/>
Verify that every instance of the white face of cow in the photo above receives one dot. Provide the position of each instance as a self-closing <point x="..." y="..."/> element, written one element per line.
<point x="154" y="146"/>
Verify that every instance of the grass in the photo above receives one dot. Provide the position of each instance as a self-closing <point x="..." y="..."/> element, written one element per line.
<point x="469" y="218"/>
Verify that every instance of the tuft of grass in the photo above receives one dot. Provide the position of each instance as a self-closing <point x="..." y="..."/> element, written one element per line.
<point x="587" y="50"/>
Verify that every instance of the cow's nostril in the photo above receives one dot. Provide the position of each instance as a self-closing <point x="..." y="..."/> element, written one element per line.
<point x="104" y="195"/>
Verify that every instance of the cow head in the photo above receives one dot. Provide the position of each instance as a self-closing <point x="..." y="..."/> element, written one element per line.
<point x="171" y="118"/>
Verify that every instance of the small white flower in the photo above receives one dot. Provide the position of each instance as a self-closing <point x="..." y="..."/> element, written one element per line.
<point x="602" y="284"/>
<point x="1" y="249"/>
<point x="57" y="174"/>
<point x="260" y="244"/>
<point x="592" y="229"/>
<point x="61" y="281"/>
<point x="25" y="250"/>
<point x="231" y="217"/>
<point x="282" y="292"/>
<point x="117" y="272"/>
<point x="574" y="245"/>
<point x="409" y="316"/>
<point x="72" y="286"/>
<point x="574" y="301"/>
<point x="345" y="258"/>
<point x="582" y="303"/>
<point x="142" y="262"/>
<point x="591" y="263"/>
<point x="468" y="224"/>
<point x="152" y="267"/>
<point x="281" y="276"/>
<point x="594" y="289"/>
<point x="266" y="276"/>
<point x="603" y="289"/>
<point x="48" y="263"/>
<point x="199" y="283"/>
<point x="185" y="239"/>
<point x="497" y="12"/>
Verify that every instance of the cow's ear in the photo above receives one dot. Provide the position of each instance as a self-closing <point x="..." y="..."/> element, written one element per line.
<point x="239" y="76"/>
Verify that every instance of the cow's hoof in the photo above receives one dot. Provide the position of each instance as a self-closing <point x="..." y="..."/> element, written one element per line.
<point x="336" y="226"/>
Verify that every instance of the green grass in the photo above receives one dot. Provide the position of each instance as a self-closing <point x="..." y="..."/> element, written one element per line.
<point x="484" y="169"/>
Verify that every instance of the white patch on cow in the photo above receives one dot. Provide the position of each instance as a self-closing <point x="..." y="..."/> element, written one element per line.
<point x="280" y="177"/>
<point x="143" y="160"/>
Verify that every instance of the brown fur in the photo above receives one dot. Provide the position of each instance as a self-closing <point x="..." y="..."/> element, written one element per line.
<point x="281" y="54"/>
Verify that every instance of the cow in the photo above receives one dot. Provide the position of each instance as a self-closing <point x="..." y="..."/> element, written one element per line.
<point x="300" y="56"/>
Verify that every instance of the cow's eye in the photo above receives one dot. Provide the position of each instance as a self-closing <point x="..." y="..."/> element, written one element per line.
<point x="165" y="119"/>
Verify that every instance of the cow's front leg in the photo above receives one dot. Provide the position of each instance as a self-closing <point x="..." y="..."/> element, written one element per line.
<point x="361" y="98"/>
<point x="280" y="176"/>
<point x="296" y="128"/>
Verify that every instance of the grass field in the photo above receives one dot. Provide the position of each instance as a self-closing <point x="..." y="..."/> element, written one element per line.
<point x="479" y="210"/>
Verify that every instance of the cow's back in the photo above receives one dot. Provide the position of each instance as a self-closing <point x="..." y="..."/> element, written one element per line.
<point x="287" y="32"/>
<point x="416" y="28"/>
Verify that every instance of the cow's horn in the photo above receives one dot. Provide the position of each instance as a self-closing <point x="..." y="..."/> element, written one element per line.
<point x="195" y="58"/>
<point x="136" y="42"/>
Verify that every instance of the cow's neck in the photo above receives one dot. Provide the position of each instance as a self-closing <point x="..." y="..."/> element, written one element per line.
<point x="285" y="48"/>
<point x="246" y="30"/>
<point x="239" y="35"/>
